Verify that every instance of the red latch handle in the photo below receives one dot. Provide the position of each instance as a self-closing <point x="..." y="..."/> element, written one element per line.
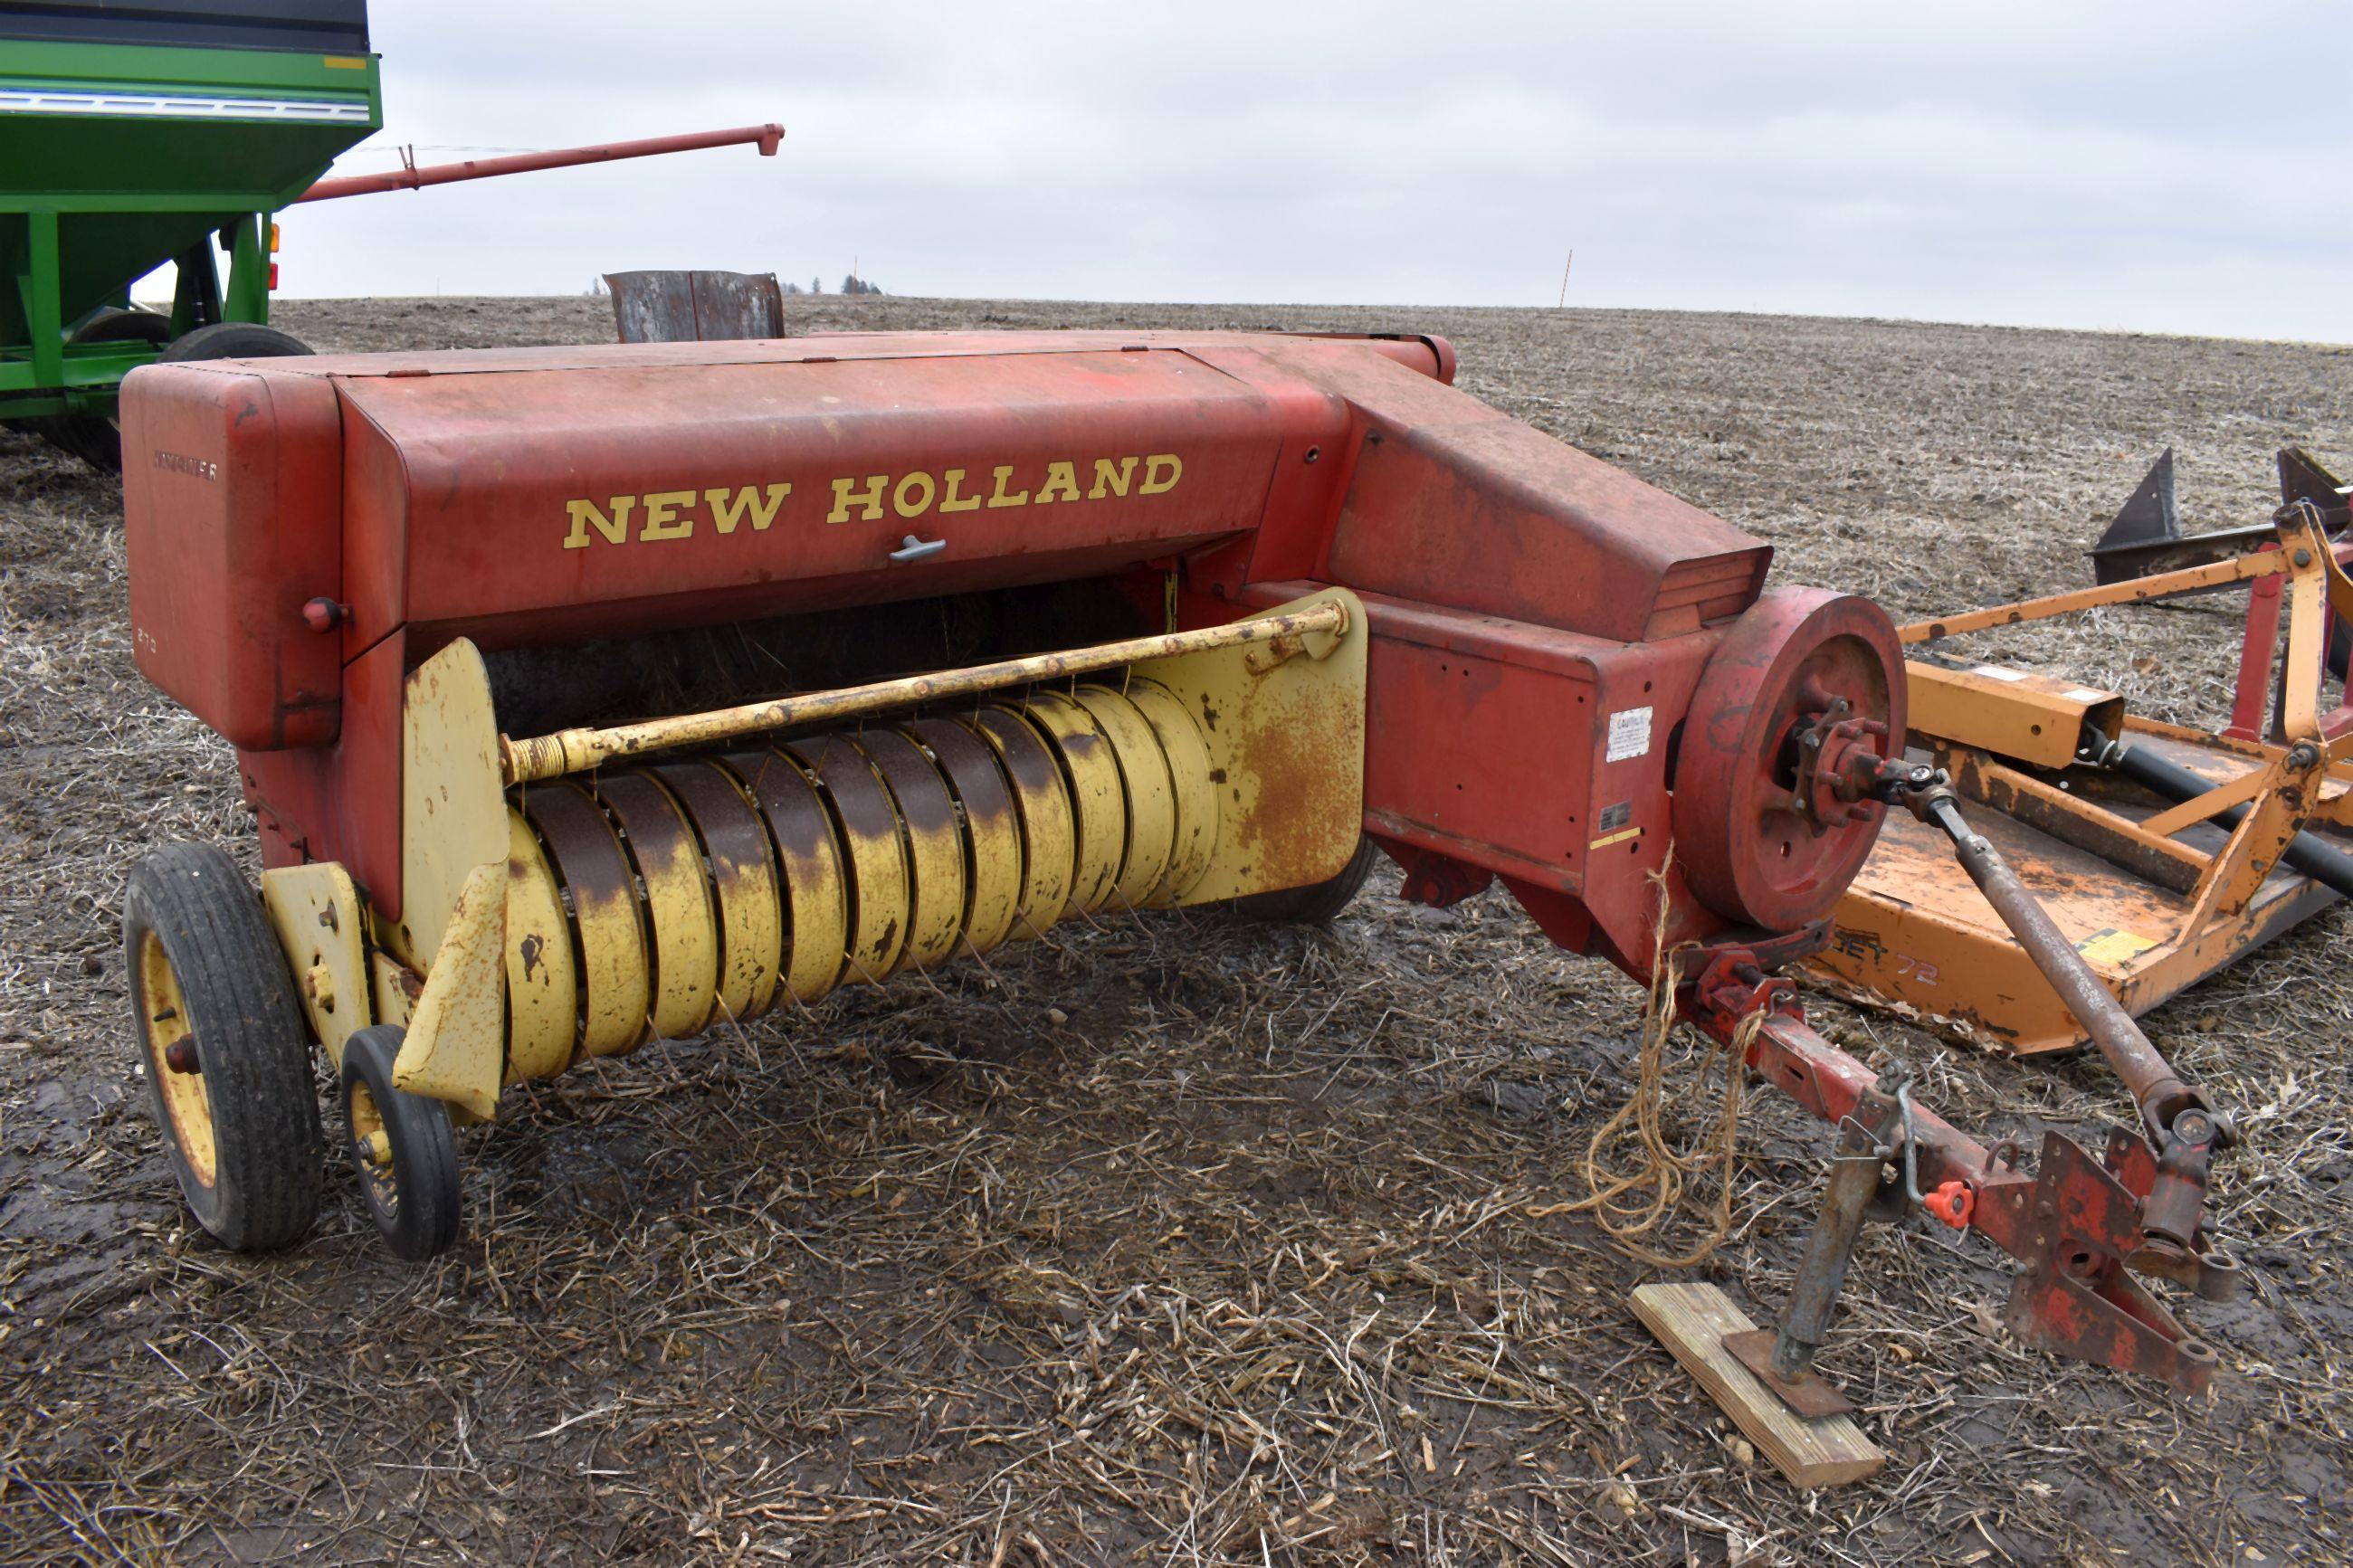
<point x="1952" y="1202"/>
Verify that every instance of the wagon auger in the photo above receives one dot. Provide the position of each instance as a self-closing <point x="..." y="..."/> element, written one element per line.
<point x="589" y="696"/>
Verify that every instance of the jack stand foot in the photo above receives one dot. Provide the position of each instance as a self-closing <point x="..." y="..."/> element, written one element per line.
<point x="1696" y="1323"/>
<point x="1810" y="1394"/>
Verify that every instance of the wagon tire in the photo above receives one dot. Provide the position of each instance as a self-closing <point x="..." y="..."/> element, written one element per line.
<point x="233" y="340"/>
<point x="1318" y="903"/>
<point x="402" y="1148"/>
<point x="96" y="438"/>
<point x="224" y="1048"/>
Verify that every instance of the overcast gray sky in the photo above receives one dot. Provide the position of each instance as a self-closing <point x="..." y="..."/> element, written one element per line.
<point x="2164" y="166"/>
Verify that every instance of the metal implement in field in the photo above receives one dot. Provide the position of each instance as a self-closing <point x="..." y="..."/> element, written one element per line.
<point x="171" y="133"/>
<point x="589" y="696"/>
<point x="2161" y="852"/>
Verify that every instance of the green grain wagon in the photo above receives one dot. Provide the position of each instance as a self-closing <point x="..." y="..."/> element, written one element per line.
<point x="133" y="137"/>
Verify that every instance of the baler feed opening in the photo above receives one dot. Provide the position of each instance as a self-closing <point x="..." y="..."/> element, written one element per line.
<point x="657" y="900"/>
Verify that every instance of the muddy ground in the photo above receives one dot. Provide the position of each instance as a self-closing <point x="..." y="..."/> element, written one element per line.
<point x="1176" y="1240"/>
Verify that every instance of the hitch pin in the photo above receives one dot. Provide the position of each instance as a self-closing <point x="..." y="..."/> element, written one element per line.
<point x="1953" y="1203"/>
<point x="1896" y="1084"/>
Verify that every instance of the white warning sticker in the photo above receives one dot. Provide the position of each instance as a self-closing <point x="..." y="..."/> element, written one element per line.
<point x="1996" y="672"/>
<point x="1629" y="735"/>
<point x="2084" y="694"/>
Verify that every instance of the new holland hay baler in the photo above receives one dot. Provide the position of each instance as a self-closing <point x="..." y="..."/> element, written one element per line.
<point x="588" y="696"/>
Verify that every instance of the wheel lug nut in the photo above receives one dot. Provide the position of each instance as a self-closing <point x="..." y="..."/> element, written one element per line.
<point x="180" y="1056"/>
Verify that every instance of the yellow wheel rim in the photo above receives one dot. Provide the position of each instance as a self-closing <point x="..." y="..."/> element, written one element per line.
<point x="165" y="1023"/>
<point x="373" y="1146"/>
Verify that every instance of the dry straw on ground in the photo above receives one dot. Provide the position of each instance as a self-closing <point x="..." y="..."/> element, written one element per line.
<point x="1174" y="1240"/>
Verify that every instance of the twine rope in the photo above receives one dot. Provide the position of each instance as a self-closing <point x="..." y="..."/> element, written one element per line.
<point x="1633" y="1203"/>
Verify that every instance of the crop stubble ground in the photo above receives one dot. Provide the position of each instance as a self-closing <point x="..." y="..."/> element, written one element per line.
<point x="1175" y="1239"/>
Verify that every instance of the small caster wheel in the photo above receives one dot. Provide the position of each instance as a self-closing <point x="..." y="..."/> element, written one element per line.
<point x="1318" y="903"/>
<point x="402" y="1147"/>
<point x="226" y="1054"/>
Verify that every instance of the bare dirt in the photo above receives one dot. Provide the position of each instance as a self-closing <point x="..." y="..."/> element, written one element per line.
<point x="1178" y="1240"/>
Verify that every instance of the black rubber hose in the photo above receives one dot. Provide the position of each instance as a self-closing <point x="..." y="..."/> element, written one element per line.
<point x="2323" y="862"/>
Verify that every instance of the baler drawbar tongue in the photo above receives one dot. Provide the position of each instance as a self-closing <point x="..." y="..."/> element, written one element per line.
<point x="2112" y="859"/>
<point x="2075" y="1295"/>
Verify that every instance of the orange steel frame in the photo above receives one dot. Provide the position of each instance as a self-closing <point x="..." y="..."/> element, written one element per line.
<point x="2151" y="912"/>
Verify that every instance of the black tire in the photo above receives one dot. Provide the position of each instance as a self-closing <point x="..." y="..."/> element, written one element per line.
<point x="233" y="340"/>
<point x="93" y="437"/>
<point x="1318" y="903"/>
<point x="242" y="1130"/>
<point x="411" y="1182"/>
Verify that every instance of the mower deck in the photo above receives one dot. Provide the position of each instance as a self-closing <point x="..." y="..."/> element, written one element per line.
<point x="2162" y="853"/>
<point x="1914" y="933"/>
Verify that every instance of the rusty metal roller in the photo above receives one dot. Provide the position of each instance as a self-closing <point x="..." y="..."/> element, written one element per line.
<point x="868" y="823"/>
<point x="991" y="838"/>
<point x="743" y="870"/>
<point x="543" y="976"/>
<point x="657" y="902"/>
<point x="1193" y="783"/>
<point x="809" y="866"/>
<point x="1098" y="801"/>
<point x="932" y="835"/>
<point x="587" y="859"/>
<point x="1146" y="787"/>
<point x="1041" y="799"/>
<point x="684" y="973"/>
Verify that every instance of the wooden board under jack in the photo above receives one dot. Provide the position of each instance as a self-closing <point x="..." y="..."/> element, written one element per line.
<point x="1691" y="1322"/>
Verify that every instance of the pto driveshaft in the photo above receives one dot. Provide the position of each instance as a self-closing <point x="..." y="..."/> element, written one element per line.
<point x="2182" y="1124"/>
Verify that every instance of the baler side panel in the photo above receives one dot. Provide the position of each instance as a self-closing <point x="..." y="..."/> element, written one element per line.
<point x="638" y="491"/>
<point x="1454" y="503"/>
<point x="1504" y="778"/>
<point x="1529" y="752"/>
<point x="375" y="532"/>
<point x="229" y="504"/>
<point x="341" y="802"/>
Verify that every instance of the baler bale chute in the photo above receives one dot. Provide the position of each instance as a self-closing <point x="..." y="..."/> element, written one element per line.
<point x="173" y="132"/>
<point x="963" y="632"/>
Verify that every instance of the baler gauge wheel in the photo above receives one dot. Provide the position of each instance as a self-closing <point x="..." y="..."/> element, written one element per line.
<point x="223" y="1047"/>
<point x="401" y="1146"/>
